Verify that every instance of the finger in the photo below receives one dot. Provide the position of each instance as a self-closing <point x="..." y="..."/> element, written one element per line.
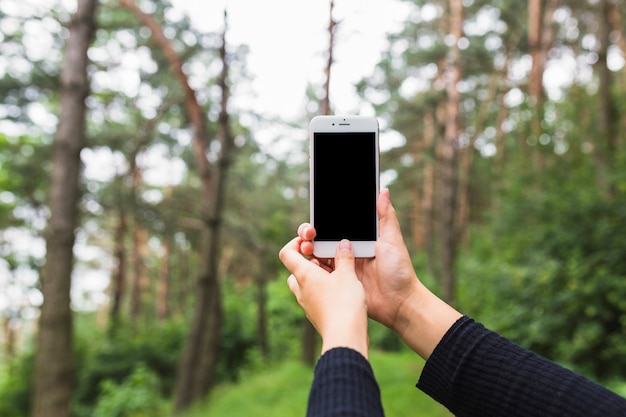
<point x="344" y="257"/>
<point x="306" y="248"/>
<point x="388" y="219"/>
<point x="295" y="262"/>
<point x="292" y="283"/>
<point x="327" y="265"/>
<point x="306" y="232"/>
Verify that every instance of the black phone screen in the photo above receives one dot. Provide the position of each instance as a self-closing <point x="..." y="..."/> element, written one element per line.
<point x="344" y="180"/>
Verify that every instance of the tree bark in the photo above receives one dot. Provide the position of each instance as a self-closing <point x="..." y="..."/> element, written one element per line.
<point x="140" y="279"/>
<point x="198" y="364"/>
<point x="606" y="146"/>
<point x="448" y="161"/>
<point x="54" y="365"/>
<point x="8" y="336"/>
<point x="535" y="82"/>
<point x="118" y="280"/>
<point x="325" y="104"/>
<point x="163" y="284"/>
<point x="309" y="334"/>
<point x="540" y="40"/>
<point x="261" y="296"/>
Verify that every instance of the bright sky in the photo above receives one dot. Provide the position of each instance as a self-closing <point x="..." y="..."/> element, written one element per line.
<point x="288" y="40"/>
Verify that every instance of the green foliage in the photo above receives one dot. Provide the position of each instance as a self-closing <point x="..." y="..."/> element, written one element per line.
<point x="137" y="396"/>
<point x="382" y="338"/>
<point x="557" y="282"/>
<point x="23" y="176"/>
<point x="15" y="385"/>
<point x="397" y="374"/>
<point x="156" y="347"/>
<point x="280" y="391"/>
<point x="285" y="320"/>
<point x="283" y="390"/>
<point x="239" y="332"/>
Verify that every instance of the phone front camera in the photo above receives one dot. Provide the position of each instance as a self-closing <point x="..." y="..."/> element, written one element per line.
<point x="333" y="124"/>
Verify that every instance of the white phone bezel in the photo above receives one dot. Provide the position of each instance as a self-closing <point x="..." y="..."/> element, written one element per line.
<point x="343" y="124"/>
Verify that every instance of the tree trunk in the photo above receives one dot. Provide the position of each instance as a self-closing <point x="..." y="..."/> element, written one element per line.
<point x="54" y="365"/>
<point x="198" y="364"/>
<point x="606" y="146"/>
<point x="309" y="334"/>
<point x="140" y="280"/>
<point x="163" y="284"/>
<point x="422" y="192"/>
<point x="467" y="157"/>
<point x="540" y="39"/>
<point x="206" y="353"/>
<point x="535" y="82"/>
<point x="325" y="102"/>
<point x="8" y="336"/>
<point x="263" y="339"/>
<point x="118" y="280"/>
<point x="617" y="27"/>
<point x="447" y="155"/>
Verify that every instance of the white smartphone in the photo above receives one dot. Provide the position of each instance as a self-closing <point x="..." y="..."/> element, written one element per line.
<point x="344" y="183"/>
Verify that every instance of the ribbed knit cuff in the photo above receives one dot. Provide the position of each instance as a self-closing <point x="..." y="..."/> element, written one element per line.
<point x="344" y="385"/>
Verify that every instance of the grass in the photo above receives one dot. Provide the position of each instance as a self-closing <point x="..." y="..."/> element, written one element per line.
<point x="282" y="391"/>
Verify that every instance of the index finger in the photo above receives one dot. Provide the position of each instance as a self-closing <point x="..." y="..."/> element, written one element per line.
<point x="306" y="231"/>
<point x="294" y="261"/>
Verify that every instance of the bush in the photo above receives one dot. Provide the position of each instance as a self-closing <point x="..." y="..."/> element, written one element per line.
<point x="15" y="385"/>
<point x="557" y="282"/>
<point x="156" y="346"/>
<point x="137" y="396"/>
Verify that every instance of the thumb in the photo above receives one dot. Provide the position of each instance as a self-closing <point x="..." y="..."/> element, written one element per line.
<point x="344" y="257"/>
<point x="389" y="224"/>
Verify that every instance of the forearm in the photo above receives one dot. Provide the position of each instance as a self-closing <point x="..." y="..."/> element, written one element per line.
<point x="352" y="334"/>
<point x="476" y="372"/>
<point x="344" y="384"/>
<point x="423" y="319"/>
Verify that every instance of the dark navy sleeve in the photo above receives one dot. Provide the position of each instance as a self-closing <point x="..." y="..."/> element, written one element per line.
<point x="344" y="385"/>
<point x="476" y="372"/>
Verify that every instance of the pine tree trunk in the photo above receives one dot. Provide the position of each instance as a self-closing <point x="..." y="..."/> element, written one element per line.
<point x="163" y="284"/>
<point x="447" y="156"/>
<point x="540" y="39"/>
<point x="606" y="146"/>
<point x="309" y="334"/>
<point x="200" y="372"/>
<point x="118" y="279"/>
<point x="140" y="280"/>
<point x="8" y="337"/>
<point x="54" y="365"/>
<point x="196" y="371"/>
<point x="261" y="296"/>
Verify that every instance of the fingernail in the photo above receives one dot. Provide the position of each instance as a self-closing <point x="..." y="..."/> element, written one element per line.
<point x="345" y="246"/>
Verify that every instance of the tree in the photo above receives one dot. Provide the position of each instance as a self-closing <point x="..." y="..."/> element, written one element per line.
<point x="448" y="159"/>
<point x="53" y="362"/>
<point x="199" y="361"/>
<point x="428" y="63"/>
<point x="309" y="334"/>
<point x="540" y="39"/>
<point x="606" y="145"/>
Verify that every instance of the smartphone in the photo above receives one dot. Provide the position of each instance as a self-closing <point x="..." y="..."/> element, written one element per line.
<point x="344" y="183"/>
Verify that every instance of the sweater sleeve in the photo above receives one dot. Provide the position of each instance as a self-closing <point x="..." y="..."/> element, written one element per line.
<point x="475" y="372"/>
<point x="344" y="385"/>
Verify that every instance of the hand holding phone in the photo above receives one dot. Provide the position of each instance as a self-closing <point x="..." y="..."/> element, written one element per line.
<point x="344" y="183"/>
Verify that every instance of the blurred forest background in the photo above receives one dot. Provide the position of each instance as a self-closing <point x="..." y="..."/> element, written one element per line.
<point x="140" y="217"/>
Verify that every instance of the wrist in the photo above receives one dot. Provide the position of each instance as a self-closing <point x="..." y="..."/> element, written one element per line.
<point x="351" y="335"/>
<point x="423" y="319"/>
